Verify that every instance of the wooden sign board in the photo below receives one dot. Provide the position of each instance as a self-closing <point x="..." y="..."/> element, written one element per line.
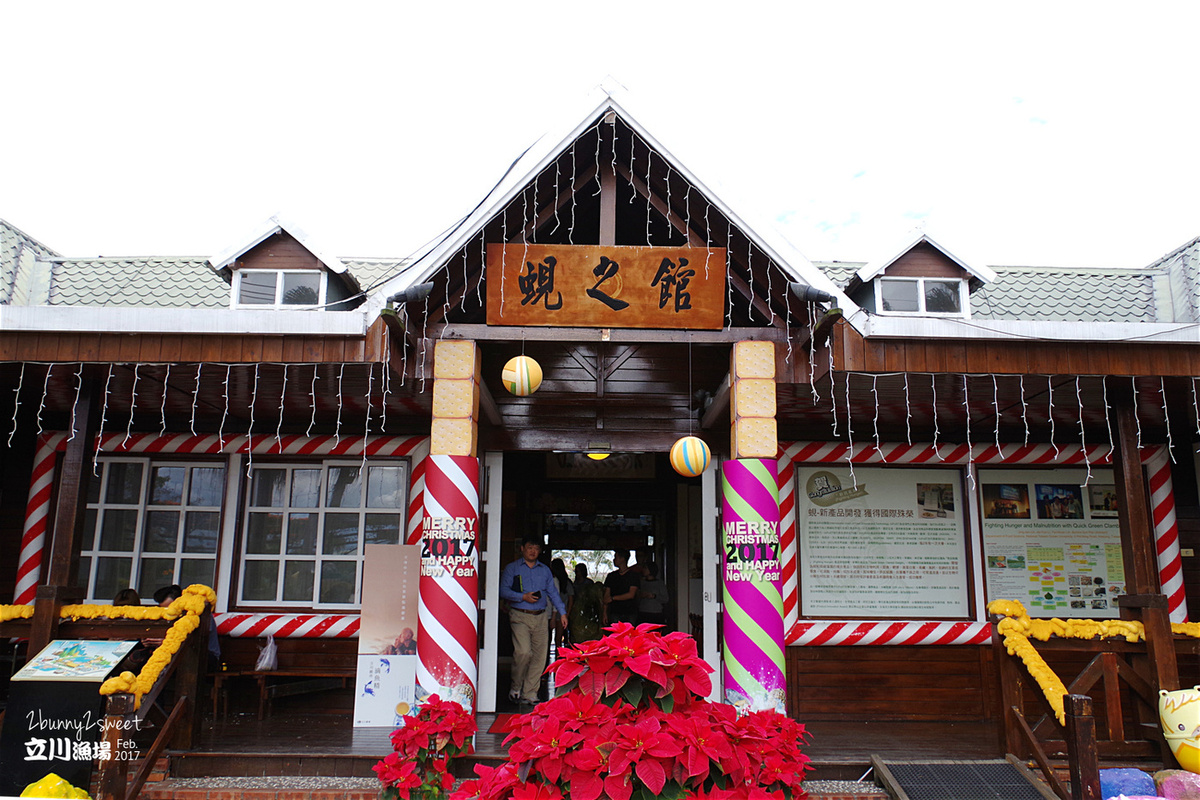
<point x="598" y="286"/>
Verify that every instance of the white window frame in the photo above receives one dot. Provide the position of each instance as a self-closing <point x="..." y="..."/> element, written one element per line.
<point x="317" y="558"/>
<point x="142" y="507"/>
<point x="236" y="289"/>
<point x="963" y="297"/>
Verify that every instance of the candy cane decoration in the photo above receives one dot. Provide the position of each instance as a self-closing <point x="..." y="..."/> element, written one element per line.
<point x="33" y="540"/>
<point x="448" y="616"/>
<point x="1162" y="498"/>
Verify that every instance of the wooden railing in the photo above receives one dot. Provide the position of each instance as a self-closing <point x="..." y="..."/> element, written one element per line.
<point x="1116" y="677"/>
<point x="177" y="725"/>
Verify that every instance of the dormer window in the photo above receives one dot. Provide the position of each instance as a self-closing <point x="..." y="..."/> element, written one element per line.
<point x="924" y="296"/>
<point x="279" y="288"/>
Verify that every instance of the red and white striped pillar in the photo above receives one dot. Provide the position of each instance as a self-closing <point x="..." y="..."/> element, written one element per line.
<point x="448" y="614"/>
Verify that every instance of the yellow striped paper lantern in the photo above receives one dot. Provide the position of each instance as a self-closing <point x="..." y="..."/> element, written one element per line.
<point x="690" y="456"/>
<point x="521" y="375"/>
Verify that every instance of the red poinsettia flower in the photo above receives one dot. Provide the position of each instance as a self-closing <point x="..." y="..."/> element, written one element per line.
<point x="702" y="744"/>
<point x="494" y="783"/>
<point x="397" y="773"/>
<point x="537" y="791"/>
<point x="644" y="745"/>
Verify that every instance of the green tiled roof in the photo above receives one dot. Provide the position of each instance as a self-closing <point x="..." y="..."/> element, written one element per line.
<point x="138" y="282"/>
<point x="18" y="252"/>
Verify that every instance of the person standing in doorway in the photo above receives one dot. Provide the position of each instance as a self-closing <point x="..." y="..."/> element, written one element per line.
<point x="528" y="586"/>
<point x="622" y="586"/>
<point x="653" y="597"/>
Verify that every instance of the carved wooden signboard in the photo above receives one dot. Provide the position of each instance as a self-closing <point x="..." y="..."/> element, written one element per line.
<point x="605" y="286"/>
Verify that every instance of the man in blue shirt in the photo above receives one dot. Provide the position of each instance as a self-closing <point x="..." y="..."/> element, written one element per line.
<point x="527" y="585"/>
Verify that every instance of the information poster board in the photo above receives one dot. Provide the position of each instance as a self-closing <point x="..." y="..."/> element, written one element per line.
<point x="1052" y="542"/>
<point x="385" y="685"/>
<point x="886" y="542"/>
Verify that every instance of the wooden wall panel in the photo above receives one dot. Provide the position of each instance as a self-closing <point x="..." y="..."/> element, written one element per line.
<point x="925" y="261"/>
<point x="278" y="251"/>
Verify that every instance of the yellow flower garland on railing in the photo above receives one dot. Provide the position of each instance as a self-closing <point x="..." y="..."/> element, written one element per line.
<point x="1017" y="629"/>
<point x="9" y="613"/>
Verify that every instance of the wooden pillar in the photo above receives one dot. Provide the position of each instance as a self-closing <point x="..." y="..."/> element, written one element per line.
<point x="1081" y="748"/>
<point x="69" y="511"/>
<point x="1144" y="600"/>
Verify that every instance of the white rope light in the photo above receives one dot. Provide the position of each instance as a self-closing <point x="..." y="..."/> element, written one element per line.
<point x="1050" y="399"/>
<point x="1024" y="411"/>
<point x="250" y="429"/>
<point x="367" y="426"/>
<point x="424" y="343"/>
<point x="907" y="413"/>
<point x="970" y="451"/>
<point x="1136" y="419"/>
<point x="875" y="421"/>
<point x="16" y="403"/>
<point x="833" y="393"/>
<point x="1195" y="406"/>
<point x="337" y="431"/>
<point x="936" y="447"/>
<point x="996" y="406"/>
<point x="279" y="425"/>
<point x="312" y="399"/>
<point x="1107" y="421"/>
<point x="387" y="383"/>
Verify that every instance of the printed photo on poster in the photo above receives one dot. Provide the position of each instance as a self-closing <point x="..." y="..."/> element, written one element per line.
<point x="1056" y="501"/>
<point x="1005" y="501"/>
<point x="1102" y="500"/>
<point x="385" y="685"/>
<point x="935" y="499"/>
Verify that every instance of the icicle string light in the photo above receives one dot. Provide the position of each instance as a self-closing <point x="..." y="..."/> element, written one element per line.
<point x="812" y="349"/>
<point x="850" y="434"/>
<point x="462" y="299"/>
<point x="1107" y="420"/>
<point x="163" y="411"/>
<point x="728" y="274"/>
<point x="970" y="451"/>
<point x="424" y="343"/>
<point x="875" y="421"/>
<point x="387" y="384"/>
<point x="1050" y="401"/>
<point x="337" y="431"/>
<point x="649" y="205"/>
<point x="132" y="405"/>
<point x="250" y="430"/>
<point x="996" y="406"/>
<point x="225" y="411"/>
<point x="1082" y="437"/>
<point x="750" y="273"/>
<point x="195" y="400"/>
<point x="770" y="292"/>
<point x="707" y="239"/>
<point x="1024" y="411"/>
<point x="42" y="402"/>
<point x="16" y="403"/>
<point x="833" y="394"/>
<point x="482" y="265"/>
<point x="936" y="448"/>
<point x="79" y="390"/>
<point x="367" y="425"/>
<point x="907" y="413"/>
<point x="404" y="354"/>
<point x="1196" y="406"/>
<point x="282" y="395"/>
<point x="1162" y="387"/>
<point x="1136" y="419"/>
<point x="312" y="400"/>
<point x="571" y="229"/>
<point x="100" y="430"/>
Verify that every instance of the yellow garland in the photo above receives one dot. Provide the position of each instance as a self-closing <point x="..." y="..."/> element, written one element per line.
<point x="1017" y="629"/>
<point x="8" y="613"/>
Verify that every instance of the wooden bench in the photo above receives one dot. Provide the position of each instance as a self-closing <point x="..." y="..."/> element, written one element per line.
<point x="304" y="665"/>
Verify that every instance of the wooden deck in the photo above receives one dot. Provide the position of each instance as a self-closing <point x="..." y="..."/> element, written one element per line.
<point x="289" y="743"/>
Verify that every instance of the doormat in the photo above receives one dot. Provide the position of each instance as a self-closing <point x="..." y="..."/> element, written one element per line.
<point x="992" y="779"/>
<point x="500" y="725"/>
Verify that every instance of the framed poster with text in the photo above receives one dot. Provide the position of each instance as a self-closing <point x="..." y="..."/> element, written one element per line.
<point x="885" y="542"/>
<point x="1051" y="541"/>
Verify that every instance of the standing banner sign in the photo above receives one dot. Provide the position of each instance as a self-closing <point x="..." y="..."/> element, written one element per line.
<point x="385" y="688"/>
<point x="753" y="633"/>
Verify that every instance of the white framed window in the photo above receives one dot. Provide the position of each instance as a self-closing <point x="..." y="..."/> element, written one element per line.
<point x="924" y="296"/>
<point x="149" y="524"/>
<point x="279" y="288"/>
<point x="307" y="526"/>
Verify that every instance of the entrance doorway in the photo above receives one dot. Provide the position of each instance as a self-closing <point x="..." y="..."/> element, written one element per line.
<point x="583" y="510"/>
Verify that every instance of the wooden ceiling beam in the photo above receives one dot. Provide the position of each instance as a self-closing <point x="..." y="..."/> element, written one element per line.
<point x="517" y="333"/>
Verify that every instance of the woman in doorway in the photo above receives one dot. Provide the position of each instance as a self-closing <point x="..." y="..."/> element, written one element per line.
<point x="566" y="590"/>
<point x="653" y="597"/>
<point x="589" y="611"/>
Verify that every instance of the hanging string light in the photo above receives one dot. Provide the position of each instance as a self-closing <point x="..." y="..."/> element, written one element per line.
<point x="337" y="431"/>
<point x="225" y="411"/>
<point x="16" y="403"/>
<point x="1082" y="437"/>
<point x="282" y="395"/>
<point x="132" y="405"/>
<point x="312" y="401"/>
<point x="1024" y="412"/>
<point x="387" y="384"/>
<point x="75" y="405"/>
<point x="936" y="449"/>
<point x="1195" y="406"/>
<point x="424" y="342"/>
<point x="996" y="406"/>
<point x="649" y="193"/>
<point x="100" y="430"/>
<point x="707" y="239"/>
<point x="850" y="434"/>
<point x="162" y="431"/>
<point x="367" y="425"/>
<point x="250" y="430"/>
<point x="1050" y="400"/>
<point x="907" y="413"/>
<point x="875" y="420"/>
<point x="195" y="399"/>
<point x="1162" y="387"/>
<point x="1136" y="418"/>
<point x="970" y="450"/>
<point x="812" y="347"/>
<point x="482" y="268"/>
<point x="1107" y="420"/>
<point x="833" y="394"/>
<point x="42" y="402"/>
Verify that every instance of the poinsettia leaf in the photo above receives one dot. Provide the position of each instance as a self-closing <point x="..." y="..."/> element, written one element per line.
<point x="667" y="703"/>
<point x="523" y="770"/>
<point x="618" y="787"/>
<point x="586" y="785"/>
<point x="632" y="692"/>
<point x="652" y="774"/>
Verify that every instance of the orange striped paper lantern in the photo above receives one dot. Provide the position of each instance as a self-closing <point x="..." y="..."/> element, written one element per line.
<point x="690" y="456"/>
<point x="521" y="376"/>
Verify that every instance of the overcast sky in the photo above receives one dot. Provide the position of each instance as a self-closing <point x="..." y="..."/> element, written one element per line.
<point x="1029" y="133"/>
